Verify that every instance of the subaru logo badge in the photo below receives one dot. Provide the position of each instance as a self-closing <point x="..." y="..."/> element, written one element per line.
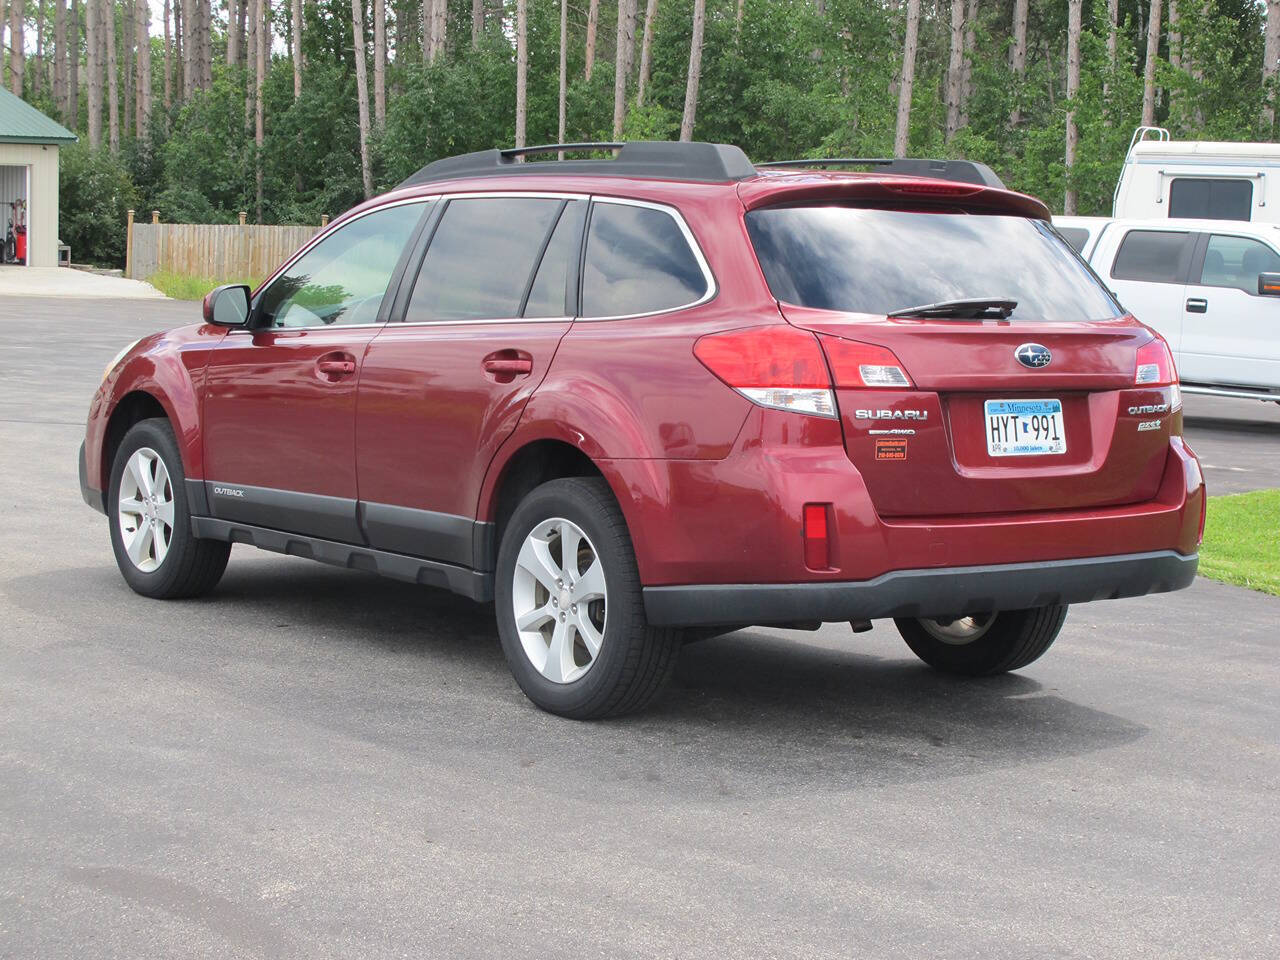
<point x="1033" y="355"/>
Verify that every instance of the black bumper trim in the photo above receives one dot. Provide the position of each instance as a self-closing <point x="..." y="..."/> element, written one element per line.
<point x="94" y="498"/>
<point x="941" y="592"/>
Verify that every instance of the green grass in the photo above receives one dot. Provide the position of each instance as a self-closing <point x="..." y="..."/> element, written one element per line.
<point x="182" y="286"/>
<point x="1242" y="540"/>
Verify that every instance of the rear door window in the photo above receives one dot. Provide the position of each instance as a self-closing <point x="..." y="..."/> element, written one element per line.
<point x="550" y="294"/>
<point x="638" y="261"/>
<point x="1236" y="262"/>
<point x="1198" y="198"/>
<point x="1157" y="256"/>
<point x="481" y="256"/>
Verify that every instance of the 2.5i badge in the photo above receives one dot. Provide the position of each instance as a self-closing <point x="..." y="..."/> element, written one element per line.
<point x="891" y="449"/>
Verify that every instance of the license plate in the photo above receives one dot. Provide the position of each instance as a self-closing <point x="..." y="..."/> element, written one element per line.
<point x="1024" y="428"/>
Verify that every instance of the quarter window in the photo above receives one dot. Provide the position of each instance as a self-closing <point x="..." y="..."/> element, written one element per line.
<point x="1236" y="262"/>
<point x="1152" y="255"/>
<point x="1203" y="199"/>
<point x="1076" y="236"/>
<point x="343" y="278"/>
<point x="638" y="261"/>
<point x="480" y="258"/>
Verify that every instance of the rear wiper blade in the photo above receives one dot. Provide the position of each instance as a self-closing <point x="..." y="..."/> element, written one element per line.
<point x="962" y="309"/>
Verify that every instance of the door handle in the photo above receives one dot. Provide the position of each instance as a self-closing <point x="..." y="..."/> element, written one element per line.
<point x="336" y="367"/>
<point x="1197" y="305"/>
<point x="508" y="366"/>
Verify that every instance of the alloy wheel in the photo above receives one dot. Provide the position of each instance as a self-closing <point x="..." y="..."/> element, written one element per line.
<point x="560" y="600"/>
<point x="145" y="513"/>
<point x="961" y="630"/>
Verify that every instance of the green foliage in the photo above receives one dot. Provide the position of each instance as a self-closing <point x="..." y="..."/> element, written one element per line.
<point x="786" y="81"/>
<point x="95" y="195"/>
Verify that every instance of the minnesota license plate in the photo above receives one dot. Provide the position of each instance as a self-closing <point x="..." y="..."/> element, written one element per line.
<point x="1024" y="428"/>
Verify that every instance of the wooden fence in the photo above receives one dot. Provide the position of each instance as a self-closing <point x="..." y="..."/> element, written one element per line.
<point x="220" y="252"/>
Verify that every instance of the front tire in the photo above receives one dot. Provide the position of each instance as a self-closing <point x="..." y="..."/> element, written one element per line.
<point x="981" y="645"/>
<point x="569" y="605"/>
<point x="150" y="519"/>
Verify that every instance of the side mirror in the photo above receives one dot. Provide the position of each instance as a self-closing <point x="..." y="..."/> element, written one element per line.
<point x="227" y="306"/>
<point x="1269" y="284"/>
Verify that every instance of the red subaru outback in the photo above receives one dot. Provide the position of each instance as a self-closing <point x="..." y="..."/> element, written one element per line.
<point x="669" y="394"/>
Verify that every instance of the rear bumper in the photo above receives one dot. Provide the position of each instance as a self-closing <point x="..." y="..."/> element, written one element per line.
<point x="92" y="497"/>
<point x="924" y="593"/>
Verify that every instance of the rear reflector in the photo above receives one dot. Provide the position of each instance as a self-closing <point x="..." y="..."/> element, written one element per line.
<point x="855" y="364"/>
<point x="817" y="556"/>
<point x="1155" y="365"/>
<point x="775" y="366"/>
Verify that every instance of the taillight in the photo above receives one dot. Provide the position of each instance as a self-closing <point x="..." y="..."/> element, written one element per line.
<point x="1155" y="365"/>
<point x="775" y="366"/>
<point x="855" y="364"/>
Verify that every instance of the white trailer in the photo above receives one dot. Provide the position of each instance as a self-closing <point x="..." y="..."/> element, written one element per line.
<point x="1197" y="180"/>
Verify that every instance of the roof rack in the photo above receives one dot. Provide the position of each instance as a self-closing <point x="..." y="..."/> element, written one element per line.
<point x="961" y="171"/>
<point x="645" y="159"/>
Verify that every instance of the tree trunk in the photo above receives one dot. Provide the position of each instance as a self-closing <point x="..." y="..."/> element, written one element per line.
<point x="1175" y="37"/>
<point x="113" y="75"/>
<point x="1018" y="54"/>
<point x="188" y="47"/>
<point x="233" y="40"/>
<point x="261" y="52"/>
<point x="128" y="44"/>
<point x="564" y="71"/>
<point x="37" y="78"/>
<point x="622" y="62"/>
<point x="970" y="39"/>
<point x="593" y="23"/>
<point x="142" y="99"/>
<point x="695" y="71"/>
<point x="379" y="63"/>
<point x="425" y="14"/>
<point x="179" y="50"/>
<point x="522" y="69"/>
<point x="477" y="21"/>
<point x="955" y="70"/>
<point x="60" y="58"/>
<point x="73" y="65"/>
<point x="1113" y="19"/>
<point x="1074" y="10"/>
<point x="362" y="93"/>
<point x="902" y="132"/>
<point x="17" y="42"/>
<point x="439" y="29"/>
<point x="93" y="64"/>
<point x="296" y="10"/>
<point x="646" y="50"/>
<point x="1270" y="64"/>
<point x="168" y="60"/>
<point x="251" y="57"/>
<point x="1149" y="69"/>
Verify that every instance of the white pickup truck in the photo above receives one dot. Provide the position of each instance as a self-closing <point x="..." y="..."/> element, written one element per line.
<point x="1211" y="287"/>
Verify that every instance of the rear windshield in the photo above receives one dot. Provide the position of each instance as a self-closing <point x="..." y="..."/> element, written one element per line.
<point x="865" y="260"/>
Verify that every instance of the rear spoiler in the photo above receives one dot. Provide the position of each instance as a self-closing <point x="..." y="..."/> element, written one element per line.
<point x="960" y="171"/>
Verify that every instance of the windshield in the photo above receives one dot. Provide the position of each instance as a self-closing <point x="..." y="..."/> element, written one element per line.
<point x="863" y="260"/>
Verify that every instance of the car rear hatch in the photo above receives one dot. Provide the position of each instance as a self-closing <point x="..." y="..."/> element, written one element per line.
<point x="991" y="414"/>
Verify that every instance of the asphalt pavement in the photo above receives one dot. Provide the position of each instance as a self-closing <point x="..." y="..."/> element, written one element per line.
<point x="318" y="763"/>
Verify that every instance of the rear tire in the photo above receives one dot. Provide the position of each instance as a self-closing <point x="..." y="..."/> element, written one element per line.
<point x="572" y="626"/>
<point x="154" y="547"/>
<point x="978" y="647"/>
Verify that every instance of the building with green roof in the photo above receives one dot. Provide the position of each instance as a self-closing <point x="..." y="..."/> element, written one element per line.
<point x="29" y="143"/>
